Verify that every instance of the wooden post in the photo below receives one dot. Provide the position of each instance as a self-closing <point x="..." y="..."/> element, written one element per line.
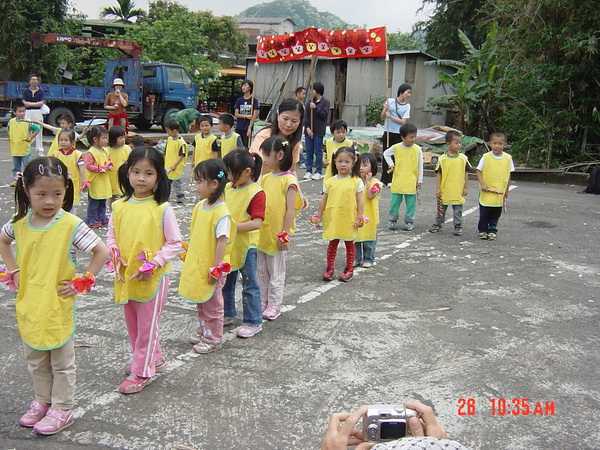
<point x="310" y="79"/>
<point x="387" y="92"/>
<point x="251" y="126"/>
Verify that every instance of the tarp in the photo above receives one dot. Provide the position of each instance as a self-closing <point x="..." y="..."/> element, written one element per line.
<point x="362" y="43"/>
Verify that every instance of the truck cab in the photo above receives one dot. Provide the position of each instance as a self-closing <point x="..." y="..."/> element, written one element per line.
<point x="167" y="88"/>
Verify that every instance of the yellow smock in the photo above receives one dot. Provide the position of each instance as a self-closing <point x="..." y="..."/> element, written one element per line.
<point x="193" y="283"/>
<point x="453" y="178"/>
<point x="17" y="131"/>
<point x="203" y="148"/>
<point x="70" y="161"/>
<point x="45" y="320"/>
<point x="406" y="169"/>
<point x="496" y="173"/>
<point x="118" y="156"/>
<point x="237" y="201"/>
<point x="228" y="143"/>
<point x="138" y="226"/>
<point x="368" y="232"/>
<point x="276" y="188"/>
<point x="171" y="155"/>
<point x="100" y="182"/>
<point x="341" y="210"/>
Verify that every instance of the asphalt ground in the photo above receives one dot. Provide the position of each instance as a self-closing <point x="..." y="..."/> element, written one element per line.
<point x="456" y="322"/>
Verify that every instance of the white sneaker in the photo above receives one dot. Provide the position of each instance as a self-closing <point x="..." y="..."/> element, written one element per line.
<point x="367" y="264"/>
<point x="308" y="176"/>
<point x="317" y="176"/>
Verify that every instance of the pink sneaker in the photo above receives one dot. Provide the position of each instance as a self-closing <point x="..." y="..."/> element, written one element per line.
<point x="272" y="313"/>
<point x="37" y="411"/>
<point x="247" y="331"/>
<point x="160" y="366"/>
<point x="54" y="421"/>
<point x="133" y="384"/>
<point x="264" y="306"/>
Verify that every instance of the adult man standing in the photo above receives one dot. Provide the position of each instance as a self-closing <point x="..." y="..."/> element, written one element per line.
<point x="315" y="124"/>
<point x="33" y="99"/>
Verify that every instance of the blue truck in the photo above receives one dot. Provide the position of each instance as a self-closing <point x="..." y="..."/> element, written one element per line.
<point x="156" y="90"/>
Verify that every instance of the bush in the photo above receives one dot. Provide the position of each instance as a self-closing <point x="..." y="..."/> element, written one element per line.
<point x="374" y="111"/>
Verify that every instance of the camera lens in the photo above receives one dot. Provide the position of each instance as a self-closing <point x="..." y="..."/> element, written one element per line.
<point x="393" y="430"/>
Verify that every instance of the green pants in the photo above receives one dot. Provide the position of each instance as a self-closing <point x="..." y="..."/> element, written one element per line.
<point x="411" y="206"/>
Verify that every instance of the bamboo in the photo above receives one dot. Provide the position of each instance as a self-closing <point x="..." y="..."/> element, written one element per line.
<point x="251" y="126"/>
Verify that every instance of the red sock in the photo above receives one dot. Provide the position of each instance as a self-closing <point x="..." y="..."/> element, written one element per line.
<point x="332" y="251"/>
<point x="350" y="253"/>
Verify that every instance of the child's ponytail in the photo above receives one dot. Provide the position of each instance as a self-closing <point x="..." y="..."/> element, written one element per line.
<point x="278" y="144"/>
<point x="241" y="159"/>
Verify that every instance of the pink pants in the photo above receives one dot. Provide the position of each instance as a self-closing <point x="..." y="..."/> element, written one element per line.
<point x="142" y="325"/>
<point x="270" y="270"/>
<point x="210" y="313"/>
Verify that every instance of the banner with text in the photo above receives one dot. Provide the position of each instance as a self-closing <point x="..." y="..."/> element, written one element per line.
<point x="367" y="43"/>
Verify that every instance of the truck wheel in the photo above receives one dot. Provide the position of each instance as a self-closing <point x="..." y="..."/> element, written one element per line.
<point x="55" y="113"/>
<point x="170" y="110"/>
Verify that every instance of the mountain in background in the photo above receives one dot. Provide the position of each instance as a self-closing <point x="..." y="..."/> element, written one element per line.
<point x="301" y="12"/>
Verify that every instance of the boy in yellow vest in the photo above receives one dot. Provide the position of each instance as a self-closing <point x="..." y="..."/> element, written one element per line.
<point x="338" y="130"/>
<point x="205" y="143"/>
<point x="493" y="173"/>
<point x="452" y="174"/>
<point x="230" y="140"/>
<point x="175" y="153"/>
<point x="20" y="135"/>
<point x="407" y="166"/>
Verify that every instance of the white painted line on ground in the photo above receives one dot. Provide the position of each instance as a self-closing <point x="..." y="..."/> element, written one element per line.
<point x="113" y="396"/>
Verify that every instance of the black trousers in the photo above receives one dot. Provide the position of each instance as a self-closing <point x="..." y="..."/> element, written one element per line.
<point x="394" y="138"/>
<point x="488" y="218"/>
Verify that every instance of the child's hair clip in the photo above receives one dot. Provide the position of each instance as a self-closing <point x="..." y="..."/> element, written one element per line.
<point x="220" y="175"/>
<point x="59" y="170"/>
<point x="285" y="143"/>
<point x="41" y="169"/>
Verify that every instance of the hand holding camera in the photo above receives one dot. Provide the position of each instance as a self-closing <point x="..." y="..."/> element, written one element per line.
<point x="381" y="423"/>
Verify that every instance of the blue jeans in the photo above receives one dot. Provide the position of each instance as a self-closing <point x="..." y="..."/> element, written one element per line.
<point x="251" y="300"/>
<point x="314" y="149"/>
<point x="19" y="163"/>
<point x="96" y="211"/>
<point x="365" y="251"/>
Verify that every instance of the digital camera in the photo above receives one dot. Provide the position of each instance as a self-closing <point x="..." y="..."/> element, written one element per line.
<point x="387" y="422"/>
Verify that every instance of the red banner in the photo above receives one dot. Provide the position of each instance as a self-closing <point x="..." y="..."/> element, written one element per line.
<point x="366" y="43"/>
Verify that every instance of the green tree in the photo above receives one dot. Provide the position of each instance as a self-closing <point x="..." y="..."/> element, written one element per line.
<point x="21" y="17"/>
<point x="171" y="33"/>
<point x="441" y="29"/>
<point x="302" y="13"/>
<point x="124" y="12"/>
<point x="550" y="50"/>
<point x="474" y="86"/>
<point x="406" y="41"/>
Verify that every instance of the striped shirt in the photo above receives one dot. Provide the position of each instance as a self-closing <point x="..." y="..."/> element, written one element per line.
<point x="84" y="240"/>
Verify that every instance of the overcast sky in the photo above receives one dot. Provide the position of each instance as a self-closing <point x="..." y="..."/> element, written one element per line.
<point x="395" y="14"/>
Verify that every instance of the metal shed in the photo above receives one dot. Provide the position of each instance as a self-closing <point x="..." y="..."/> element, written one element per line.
<point x="350" y="84"/>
